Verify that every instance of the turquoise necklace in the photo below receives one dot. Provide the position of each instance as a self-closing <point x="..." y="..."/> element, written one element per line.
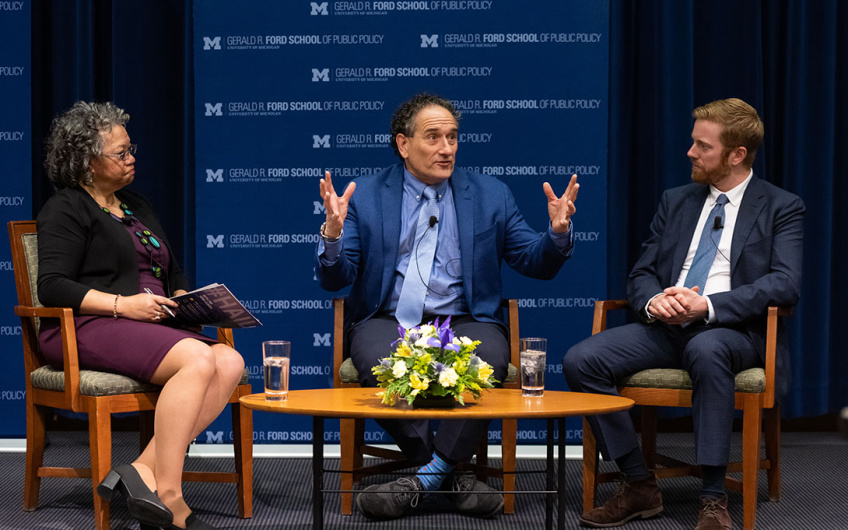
<point x="146" y="237"/>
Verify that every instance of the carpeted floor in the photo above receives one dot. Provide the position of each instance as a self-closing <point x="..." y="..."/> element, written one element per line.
<point x="814" y="493"/>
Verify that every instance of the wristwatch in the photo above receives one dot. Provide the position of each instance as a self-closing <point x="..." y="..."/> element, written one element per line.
<point x="327" y="238"/>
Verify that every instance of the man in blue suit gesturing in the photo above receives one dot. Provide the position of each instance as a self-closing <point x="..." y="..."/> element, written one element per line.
<point x="377" y="240"/>
<point x="721" y="250"/>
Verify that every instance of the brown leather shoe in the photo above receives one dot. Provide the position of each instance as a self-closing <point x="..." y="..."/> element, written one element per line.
<point x="640" y="498"/>
<point x="713" y="515"/>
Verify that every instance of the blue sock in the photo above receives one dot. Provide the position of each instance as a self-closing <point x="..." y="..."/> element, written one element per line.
<point x="433" y="474"/>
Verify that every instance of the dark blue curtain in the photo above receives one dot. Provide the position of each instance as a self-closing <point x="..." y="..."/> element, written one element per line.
<point x="138" y="54"/>
<point x="789" y="59"/>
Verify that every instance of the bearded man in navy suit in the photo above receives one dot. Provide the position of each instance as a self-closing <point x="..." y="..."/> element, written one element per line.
<point x="710" y="324"/>
<point x="372" y="240"/>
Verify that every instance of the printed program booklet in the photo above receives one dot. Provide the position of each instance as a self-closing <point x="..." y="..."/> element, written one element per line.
<point x="213" y="305"/>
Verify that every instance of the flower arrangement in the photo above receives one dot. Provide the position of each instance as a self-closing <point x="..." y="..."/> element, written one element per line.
<point x="430" y="361"/>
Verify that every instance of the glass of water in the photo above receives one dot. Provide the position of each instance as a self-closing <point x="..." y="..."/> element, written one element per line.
<point x="276" y="356"/>
<point x="532" y="352"/>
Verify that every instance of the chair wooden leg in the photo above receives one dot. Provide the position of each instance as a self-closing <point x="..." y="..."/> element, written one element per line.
<point x="482" y="451"/>
<point x="590" y="467"/>
<point x="35" y="420"/>
<point x="772" y="436"/>
<point x="751" y="427"/>
<point x="243" y="449"/>
<point x="347" y="435"/>
<point x="649" y="435"/>
<point x="509" y="434"/>
<point x="146" y="419"/>
<point x="100" y="445"/>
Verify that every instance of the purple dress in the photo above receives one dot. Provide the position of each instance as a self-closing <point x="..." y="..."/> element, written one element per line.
<point x="122" y="346"/>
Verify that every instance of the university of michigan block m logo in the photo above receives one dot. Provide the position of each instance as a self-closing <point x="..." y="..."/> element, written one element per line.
<point x="214" y="110"/>
<point x="215" y="437"/>
<point x="318" y="8"/>
<point x="321" y="339"/>
<point x="212" y="44"/>
<point x="214" y="241"/>
<point x="320" y="141"/>
<point x="429" y="41"/>
<point x="320" y="75"/>
<point x="214" y="175"/>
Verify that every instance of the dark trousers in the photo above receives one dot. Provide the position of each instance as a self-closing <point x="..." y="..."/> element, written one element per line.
<point x="455" y="440"/>
<point x="711" y="355"/>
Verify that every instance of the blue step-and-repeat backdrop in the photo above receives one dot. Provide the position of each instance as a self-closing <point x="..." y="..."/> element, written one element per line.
<point x="15" y="197"/>
<point x="285" y="90"/>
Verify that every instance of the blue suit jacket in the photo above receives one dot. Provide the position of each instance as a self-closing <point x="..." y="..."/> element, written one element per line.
<point x="491" y="230"/>
<point x="765" y="259"/>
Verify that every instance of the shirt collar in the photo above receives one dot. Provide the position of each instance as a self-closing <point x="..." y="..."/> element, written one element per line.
<point x="734" y="196"/>
<point x="415" y="187"/>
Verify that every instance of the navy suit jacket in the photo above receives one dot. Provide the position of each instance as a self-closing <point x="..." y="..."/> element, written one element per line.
<point x="765" y="259"/>
<point x="491" y="230"/>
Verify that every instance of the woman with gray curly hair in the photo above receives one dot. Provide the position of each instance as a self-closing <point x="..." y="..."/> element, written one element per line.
<point x="102" y="252"/>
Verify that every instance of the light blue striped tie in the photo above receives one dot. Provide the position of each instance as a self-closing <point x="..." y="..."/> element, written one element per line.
<point x="411" y="302"/>
<point x="707" y="247"/>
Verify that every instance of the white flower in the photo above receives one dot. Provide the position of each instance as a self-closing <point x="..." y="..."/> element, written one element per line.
<point x="448" y="377"/>
<point x="466" y="341"/>
<point x="427" y="330"/>
<point x="422" y="342"/>
<point x="399" y="369"/>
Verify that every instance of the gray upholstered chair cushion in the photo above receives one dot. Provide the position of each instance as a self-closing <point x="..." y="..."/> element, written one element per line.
<point x="749" y="381"/>
<point x="97" y="383"/>
<point x="349" y="374"/>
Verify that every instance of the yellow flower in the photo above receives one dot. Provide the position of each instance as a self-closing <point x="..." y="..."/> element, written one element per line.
<point x="403" y="350"/>
<point x="484" y="371"/>
<point x="422" y="362"/>
<point x="388" y="399"/>
<point x="418" y="383"/>
<point x="461" y="366"/>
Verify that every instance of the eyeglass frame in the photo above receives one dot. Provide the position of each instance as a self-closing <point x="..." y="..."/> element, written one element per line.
<point x="122" y="156"/>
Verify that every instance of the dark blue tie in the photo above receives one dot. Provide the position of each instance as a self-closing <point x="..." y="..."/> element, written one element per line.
<point x="707" y="246"/>
<point x="410" y="306"/>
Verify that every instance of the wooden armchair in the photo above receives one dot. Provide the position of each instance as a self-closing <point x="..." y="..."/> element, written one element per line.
<point x="673" y="388"/>
<point x="353" y="446"/>
<point x="98" y="395"/>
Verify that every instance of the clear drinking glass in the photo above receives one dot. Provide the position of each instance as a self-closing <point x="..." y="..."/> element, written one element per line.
<point x="532" y="351"/>
<point x="276" y="355"/>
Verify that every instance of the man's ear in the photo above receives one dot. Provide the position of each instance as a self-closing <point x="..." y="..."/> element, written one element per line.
<point x="402" y="145"/>
<point x="737" y="156"/>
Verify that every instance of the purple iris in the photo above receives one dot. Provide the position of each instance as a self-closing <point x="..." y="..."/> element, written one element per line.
<point x="452" y="347"/>
<point x="433" y="342"/>
<point x="445" y="333"/>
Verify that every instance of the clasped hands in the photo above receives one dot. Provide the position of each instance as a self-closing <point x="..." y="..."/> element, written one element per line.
<point x="679" y="305"/>
<point x="560" y="209"/>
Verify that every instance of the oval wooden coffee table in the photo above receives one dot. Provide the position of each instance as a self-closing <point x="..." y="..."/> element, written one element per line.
<point x="498" y="403"/>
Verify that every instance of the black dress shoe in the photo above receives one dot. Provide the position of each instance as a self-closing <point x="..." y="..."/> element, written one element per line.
<point x="143" y="504"/>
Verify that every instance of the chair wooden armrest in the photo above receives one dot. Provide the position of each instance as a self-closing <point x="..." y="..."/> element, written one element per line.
<point x="69" y="348"/>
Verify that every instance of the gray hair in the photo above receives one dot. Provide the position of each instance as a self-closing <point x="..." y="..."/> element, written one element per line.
<point x="403" y="120"/>
<point x="75" y="138"/>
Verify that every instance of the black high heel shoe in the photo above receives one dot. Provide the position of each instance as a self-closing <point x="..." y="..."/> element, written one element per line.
<point x="192" y="523"/>
<point x="143" y="504"/>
